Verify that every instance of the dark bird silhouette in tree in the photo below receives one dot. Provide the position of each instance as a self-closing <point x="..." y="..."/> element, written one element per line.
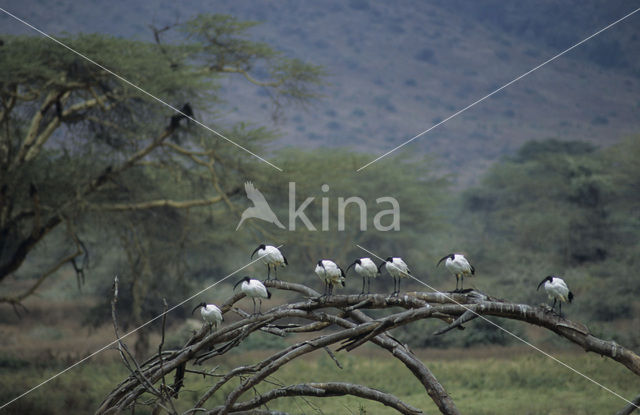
<point x="185" y="112"/>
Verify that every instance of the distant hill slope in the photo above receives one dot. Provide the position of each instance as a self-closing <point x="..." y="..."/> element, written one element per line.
<point x="397" y="69"/>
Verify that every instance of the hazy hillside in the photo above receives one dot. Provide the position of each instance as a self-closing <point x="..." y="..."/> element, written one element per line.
<point x="395" y="70"/>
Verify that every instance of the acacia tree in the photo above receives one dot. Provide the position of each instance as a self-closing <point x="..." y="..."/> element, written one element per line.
<point x="82" y="151"/>
<point x="327" y="321"/>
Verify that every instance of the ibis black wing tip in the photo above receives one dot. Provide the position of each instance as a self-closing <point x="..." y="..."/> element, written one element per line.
<point x="285" y="260"/>
<point x="268" y="294"/>
<point x="570" y="296"/>
<point x="473" y="269"/>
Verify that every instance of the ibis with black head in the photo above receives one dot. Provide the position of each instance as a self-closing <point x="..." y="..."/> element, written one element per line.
<point x="253" y="288"/>
<point x="365" y="268"/>
<point x="459" y="266"/>
<point x="271" y="256"/>
<point x="398" y="269"/>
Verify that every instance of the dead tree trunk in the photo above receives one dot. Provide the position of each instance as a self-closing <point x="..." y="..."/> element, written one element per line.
<point x="350" y="328"/>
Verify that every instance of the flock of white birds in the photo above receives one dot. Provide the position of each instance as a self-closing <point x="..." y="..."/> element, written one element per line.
<point x="334" y="276"/>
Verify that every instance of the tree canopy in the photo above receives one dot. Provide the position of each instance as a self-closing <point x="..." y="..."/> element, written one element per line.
<point x="87" y="160"/>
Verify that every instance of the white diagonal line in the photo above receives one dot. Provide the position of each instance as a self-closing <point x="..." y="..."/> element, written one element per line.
<point x="129" y="333"/>
<point x="140" y="89"/>
<point x="508" y="332"/>
<point x="501" y="88"/>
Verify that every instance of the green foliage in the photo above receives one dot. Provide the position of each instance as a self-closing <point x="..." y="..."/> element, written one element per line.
<point x="139" y="192"/>
<point x="492" y="381"/>
<point x="410" y="180"/>
<point x="550" y="198"/>
<point x="559" y="208"/>
<point x="475" y="334"/>
<point x="262" y="341"/>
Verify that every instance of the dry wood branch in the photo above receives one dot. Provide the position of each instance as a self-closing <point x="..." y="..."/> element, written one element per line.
<point x="69" y="258"/>
<point x="350" y="328"/>
<point x="184" y="204"/>
<point x="631" y="407"/>
<point x="324" y="390"/>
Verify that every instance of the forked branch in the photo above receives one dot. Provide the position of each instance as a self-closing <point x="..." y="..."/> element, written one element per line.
<point x="338" y="322"/>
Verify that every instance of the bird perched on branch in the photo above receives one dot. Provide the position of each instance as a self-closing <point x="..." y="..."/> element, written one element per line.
<point x="458" y="265"/>
<point x="332" y="275"/>
<point x="271" y="256"/>
<point x="366" y="268"/>
<point x="185" y="112"/>
<point x="557" y="289"/>
<point x="210" y="313"/>
<point x="255" y="289"/>
<point x="397" y="268"/>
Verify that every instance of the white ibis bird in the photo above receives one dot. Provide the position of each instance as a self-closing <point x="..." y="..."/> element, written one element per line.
<point x="255" y="289"/>
<point x="329" y="272"/>
<point x="271" y="256"/>
<point x="557" y="289"/>
<point x="210" y="313"/>
<point x="366" y="268"/>
<point x="397" y="269"/>
<point x="458" y="265"/>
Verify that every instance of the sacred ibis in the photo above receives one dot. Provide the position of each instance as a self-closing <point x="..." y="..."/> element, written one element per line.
<point x="271" y="256"/>
<point x="329" y="272"/>
<point x="458" y="265"/>
<point x="557" y="289"/>
<point x="366" y="268"/>
<point x="397" y="268"/>
<point x="255" y="289"/>
<point x="210" y="313"/>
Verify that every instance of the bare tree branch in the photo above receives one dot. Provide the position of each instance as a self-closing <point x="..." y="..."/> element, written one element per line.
<point x="630" y="407"/>
<point x="18" y="298"/>
<point x="150" y="204"/>
<point x="350" y="328"/>
<point x="324" y="390"/>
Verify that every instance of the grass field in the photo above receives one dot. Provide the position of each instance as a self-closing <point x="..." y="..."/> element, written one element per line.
<point x="487" y="381"/>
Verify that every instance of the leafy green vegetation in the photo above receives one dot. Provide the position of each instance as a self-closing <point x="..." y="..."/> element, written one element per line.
<point x="554" y="207"/>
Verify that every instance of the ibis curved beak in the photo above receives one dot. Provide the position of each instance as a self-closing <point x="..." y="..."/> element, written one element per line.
<point x="237" y="283"/>
<point x="380" y="266"/>
<point x="442" y="259"/>
<point x="541" y="282"/>
<point x="197" y="307"/>
<point x="254" y="252"/>
<point x="354" y="262"/>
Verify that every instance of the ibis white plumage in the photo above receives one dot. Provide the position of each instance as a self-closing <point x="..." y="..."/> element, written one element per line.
<point x="365" y="268"/>
<point x="459" y="266"/>
<point x="255" y="289"/>
<point x="210" y="313"/>
<point x="397" y="268"/>
<point x="271" y="256"/>
<point x="331" y="274"/>
<point x="557" y="290"/>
